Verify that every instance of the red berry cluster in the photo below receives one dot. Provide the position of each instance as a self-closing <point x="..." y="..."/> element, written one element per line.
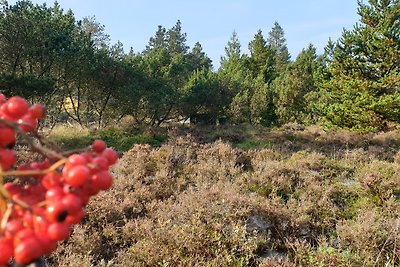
<point x="39" y="210"/>
<point x="16" y="110"/>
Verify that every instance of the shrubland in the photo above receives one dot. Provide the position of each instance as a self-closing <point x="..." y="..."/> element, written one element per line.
<point x="291" y="196"/>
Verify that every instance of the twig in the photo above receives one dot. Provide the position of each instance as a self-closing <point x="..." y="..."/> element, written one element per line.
<point x="34" y="146"/>
<point x="5" y="218"/>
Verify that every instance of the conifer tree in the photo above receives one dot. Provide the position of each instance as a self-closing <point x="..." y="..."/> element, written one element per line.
<point x="277" y="41"/>
<point x="262" y="58"/>
<point x="363" y="92"/>
<point x="198" y="59"/>
<point x="159" y="40"/>
<point x="233" y="54"/>
<point x="176" y="40"/>
<point x="293" y="85"/>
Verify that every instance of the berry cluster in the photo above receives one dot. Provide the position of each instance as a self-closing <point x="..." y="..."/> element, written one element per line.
<point x="38" y="210"/>
<point x="16" y="110"/>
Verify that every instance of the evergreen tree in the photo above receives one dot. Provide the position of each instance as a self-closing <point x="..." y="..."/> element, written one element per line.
<point x="232" y="70"/>
<point x="159" y="40"/>
<point x="277" y="41"/>
<point x="95" y="31"/>
<point x="233" y="56"/>
<point x="363" y="92"/>
<point x="262" y="58"/>
<point x="203" y="95"/>
<point x="292" y="87"/>
<point x="176" y="40"/>
<point x="198" y="59"/>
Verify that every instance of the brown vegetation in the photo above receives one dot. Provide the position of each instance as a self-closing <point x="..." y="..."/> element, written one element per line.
<point x="305" y="198"/>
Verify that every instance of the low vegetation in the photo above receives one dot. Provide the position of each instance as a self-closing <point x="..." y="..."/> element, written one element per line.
<point x="289" y="197"/>
<point x="121" y="138"/>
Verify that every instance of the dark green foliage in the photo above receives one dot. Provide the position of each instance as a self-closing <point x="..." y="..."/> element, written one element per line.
<point x="262" y="58"/>
<point x="176" y="40"/>
<point x="293" y="85"/>
<point x="27" y="86"/>
<point x="247" y="80"/>
<point x="71" y="67"/>
<point x="203" y="94"/>
<point x="159" y="40"/>
<point x="362" y="91"/>
<point x="277" y="41"/>
<point x="162" y="72"/>
<point x="198" y="59"/>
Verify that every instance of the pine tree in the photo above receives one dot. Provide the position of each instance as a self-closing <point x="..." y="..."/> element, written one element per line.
<point x="277" y="41"/>
<point x="176" y="40"/>
<point x="364" y="91"/>
<point x="233" y="54"/>
<point x="262" y="58"/>
<point x="159" y="40"/>
<point x="198" y="59"/>
<point x="292" y="87"/>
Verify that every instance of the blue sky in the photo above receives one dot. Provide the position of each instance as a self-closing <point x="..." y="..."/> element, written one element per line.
<point x="211" y="22"/>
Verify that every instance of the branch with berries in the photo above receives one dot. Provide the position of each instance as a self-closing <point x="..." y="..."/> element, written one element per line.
<point x="43" y="199"/>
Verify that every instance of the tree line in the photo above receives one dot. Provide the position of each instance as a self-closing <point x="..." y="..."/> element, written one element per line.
<point x="47" y="55"/>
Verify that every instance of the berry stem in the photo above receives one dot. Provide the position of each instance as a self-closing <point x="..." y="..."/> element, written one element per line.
<point x="5" y="195"/>
<point x="5" y="218"/>
<point x="31" y="141"/>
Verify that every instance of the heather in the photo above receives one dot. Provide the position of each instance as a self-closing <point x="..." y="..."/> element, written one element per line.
<point x="308" y="198"/>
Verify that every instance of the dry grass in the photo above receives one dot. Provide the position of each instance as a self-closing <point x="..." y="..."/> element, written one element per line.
<point x="309" y="198"/>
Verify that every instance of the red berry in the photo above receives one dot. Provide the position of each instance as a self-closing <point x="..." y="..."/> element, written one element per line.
<point x="84" y="198"/>
<point x="75" y="218"/>
<point x="28" y="219"/>
<point x="7" y="250"/>
<point x="98" y="146"/>
<point x="37" y="111"/>
<point x="56" y="212"/>
<point x="12" y="188"/>
<point x="88" y="156"/>
<point x="7" y="136"/>
<point x="27" y="123"/>
<point x="50" y="180"/>
<point x="27" y="251"/>
<point x="102" y="180"/>
<point x="23" y="234"/>
<point x="46" y="243"/>
<point x="100" y="163"/>
<point x="58" y="231"/>
<point x="110" y="155"/>
<point x="75" y="160"/>
<point x="54" y="193"/>
<point x="72" y="202"/>
<point x="13" y="227"/>
<point x="77" y="176"/>
<point x="16" y="106"/>
<point x="7" y="158"/>
<point x="44" y="164"/>
<point x="2" y="98"/>
<point x="90" y="189"/>
<point x="40" y="224"/>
